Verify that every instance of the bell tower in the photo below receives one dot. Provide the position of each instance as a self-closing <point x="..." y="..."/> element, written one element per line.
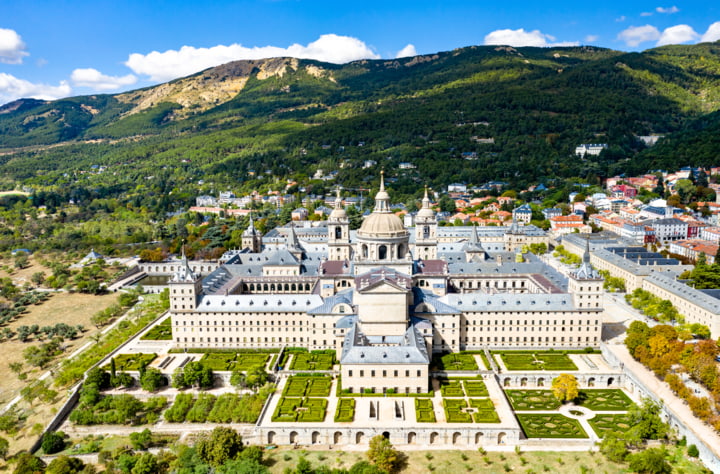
<point x="426" y="231"/>
<point x="339" y="232"/>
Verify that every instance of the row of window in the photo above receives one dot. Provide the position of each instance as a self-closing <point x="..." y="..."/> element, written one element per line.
<point x="519" y="322"/>
<point x="249" y="339"/>
<point x="385" y="373"/>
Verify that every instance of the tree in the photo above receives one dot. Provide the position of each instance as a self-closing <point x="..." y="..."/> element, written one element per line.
<point x="66" y="465"/>
<point x="447" y="204"/>
<point x="613" y="447"/>
<point x="27" y="463"/>
<point x="685" y="189"/>
<point x="646" y="422"/>
<point x="382" y="454"/>
<point x="21" y="260"/>
<point x="152" y="379"/>
<point x="141" y="440"/>
<point x="197" y="375"/>
<point x="238" y="379"/>
<point x="38" y="278"/>
<point x="650" y="461"/>
<point x="221" y="445"/>
<point x="146" y="464"/>
<point x="256" y="377"/>
<point x="53" y="441"/>
<point x="242" y="466"/>
<point x="693" y="451"/>
<point x="4" y="447"/>
<point x="565" y="387"/>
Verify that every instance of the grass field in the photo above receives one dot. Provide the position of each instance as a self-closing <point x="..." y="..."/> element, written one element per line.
<point x="459" y="461"/>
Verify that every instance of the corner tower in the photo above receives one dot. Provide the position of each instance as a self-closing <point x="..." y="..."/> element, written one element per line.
<point x="426" y="231"/>
<point x="339" y="232"/>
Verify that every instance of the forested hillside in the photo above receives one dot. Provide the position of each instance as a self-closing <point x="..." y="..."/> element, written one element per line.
<point x="243" y="125"/>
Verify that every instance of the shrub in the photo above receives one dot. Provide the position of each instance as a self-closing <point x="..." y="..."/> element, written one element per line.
<point x="53" y="442"/>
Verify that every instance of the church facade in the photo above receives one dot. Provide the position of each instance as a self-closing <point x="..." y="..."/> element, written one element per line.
<point x="387" y="297"/>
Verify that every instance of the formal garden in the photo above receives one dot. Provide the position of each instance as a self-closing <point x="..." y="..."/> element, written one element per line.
<point x="550" y="425"/>
<point x="233" y="361"/>
<point x="454" y="361"/>
<point x="125" y="362"/>
<point x="345" y="411"/>
<point x="159" y="332"/>
<point x="532" y="400"/>
<point x="608" y="423"/>
<point x="316" y="360"/>
<point x="542" y="360"/>
<point x="300" y="410"/>
<point x="424" y="410"/>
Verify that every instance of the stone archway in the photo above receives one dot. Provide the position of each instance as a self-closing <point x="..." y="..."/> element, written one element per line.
<point x="337" y="438"/>
<point x="506" y="382"/>
<point x="270" y="437"/>
<point x="523" y="382"/>
<point x="541" y="382"/>
<point x="610" y="381"/>
<point x="315" y="438"/>
<point x="293" y="438"/>
<point x="386" y="435"/>
<point x="433" y="437"/>
<point x="359" y="437"/>
<point x="457" y="438"/>
<point x="479" y="437"/>
<point x="501" y="438"/>
<point x="591" y="382"/>
<point x="411" y="437"/>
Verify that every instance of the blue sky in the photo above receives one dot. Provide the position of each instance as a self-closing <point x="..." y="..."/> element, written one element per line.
<point x="56" y="48"/>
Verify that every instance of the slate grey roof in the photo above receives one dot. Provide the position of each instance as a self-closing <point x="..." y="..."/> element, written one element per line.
<point x="514" y="302"/>
<point x="357" y="349"/>
<point x="697" y="297"/>
<point x="326" y="307"/>
<point x="258" y="303"/>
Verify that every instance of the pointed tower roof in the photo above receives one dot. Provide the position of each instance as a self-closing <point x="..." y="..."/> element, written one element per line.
<point x="586" y="271"/>
<point x="426" y="211"/>
<point x="293" y="243"/>
<point x="474" y="246"/>
<point x="338" y="213"/>
<point x="184" y="273"/>
<point x="250" y="231"/>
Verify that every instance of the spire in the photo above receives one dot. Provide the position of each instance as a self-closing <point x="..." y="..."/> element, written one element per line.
<point x="586" y="254"/>
<point x="184" y="273"/>
<point x="250" y="231"/>
<point x="382" y="198"/>
<point x="338" y="200"/>
<point x="293" y="242"/>
<point x="586" y="271"/>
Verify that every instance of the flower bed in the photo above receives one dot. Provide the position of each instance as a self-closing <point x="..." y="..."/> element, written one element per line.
<point x="515" y="360"/>
<point x="454" y="410"/>
<point x="234" y="361"/>
<point x="301" y="386"/>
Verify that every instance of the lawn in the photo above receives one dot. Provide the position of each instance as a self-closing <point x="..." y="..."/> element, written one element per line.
<point x="424" y="410"/>
<point x="604" y="400"/>
<point x="527" y="400"/>
<point x="604" y="424"/>
<point x="516" y="360"/>
<point x="550" y="426"/>
<point x="454" y="361"/>
<point x="319" y="360"/>
<point x="159" y="332"/>
<point x="345" y="410"/>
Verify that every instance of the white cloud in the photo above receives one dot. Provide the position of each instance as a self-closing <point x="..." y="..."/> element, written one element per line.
<point x="521" y="37"/>
<point x="635" y="35"/>
<point x="677" y="34"/>
<point x="712" y="34"/>
<point x="646" y="14"/>
<point x="669" y="10"/>
<point x="621" y="19"/>
<point x="12" y="88"/>
<point x="591" y="38"/>
<point x="187" y="60"/>
<point x="95" y="80"/>
<point x="407" y="51"/>
<point x="12" y="48"/>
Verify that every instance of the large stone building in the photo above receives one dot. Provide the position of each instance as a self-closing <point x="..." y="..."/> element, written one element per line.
<point x="387" y="297"/>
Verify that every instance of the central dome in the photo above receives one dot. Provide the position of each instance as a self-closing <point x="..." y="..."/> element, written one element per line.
<point x="382" y="222"/>
<point x="382" y="225"/>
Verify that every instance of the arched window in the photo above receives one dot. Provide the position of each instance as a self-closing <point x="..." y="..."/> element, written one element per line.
<point x="382" y="252"/>
<point x="365" y="251"/>
<point x="338" y="232"/>
<point x="426" y="231"/>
